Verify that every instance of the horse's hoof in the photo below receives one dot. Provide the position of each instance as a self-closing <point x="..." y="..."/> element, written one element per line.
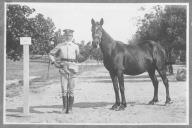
<point x="121" y="107"/>
<point x="168" y="102"/>
<point x="114" y="107"/>
<point x="152" y="102"/>
<point x="63" y="111"/>
<point x="68" y="112"/>
<point x="124" y="104"/>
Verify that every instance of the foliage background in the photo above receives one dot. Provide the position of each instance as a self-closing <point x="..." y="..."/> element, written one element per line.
<point x="165" y="25"/>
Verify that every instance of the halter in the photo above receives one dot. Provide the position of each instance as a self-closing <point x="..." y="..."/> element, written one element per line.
<point x="97" y="34"/>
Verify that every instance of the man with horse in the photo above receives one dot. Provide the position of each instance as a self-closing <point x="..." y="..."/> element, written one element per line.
<point x="64" y="57"/>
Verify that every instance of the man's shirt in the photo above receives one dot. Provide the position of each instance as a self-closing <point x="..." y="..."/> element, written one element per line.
<point x="66" y="50"/>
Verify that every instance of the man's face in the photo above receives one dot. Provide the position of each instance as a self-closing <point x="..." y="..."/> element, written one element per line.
<point x="68" y="37"/>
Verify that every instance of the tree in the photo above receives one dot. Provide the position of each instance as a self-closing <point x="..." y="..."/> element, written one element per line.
<point x="166" y="26"/>
<point x="43" y="31"/>
<point x="85" y="50"/>
<point x="58" y="37"/>
<point x="17" y="26"/>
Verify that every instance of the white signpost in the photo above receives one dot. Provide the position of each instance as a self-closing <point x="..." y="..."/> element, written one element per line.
<point x="26" y="41"/>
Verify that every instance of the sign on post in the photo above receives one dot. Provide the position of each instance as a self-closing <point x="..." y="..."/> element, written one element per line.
<point x="51" y="42"/>
<point x="26" y="41"/>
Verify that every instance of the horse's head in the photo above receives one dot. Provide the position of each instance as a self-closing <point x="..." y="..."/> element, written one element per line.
<point x="96" y="32"/>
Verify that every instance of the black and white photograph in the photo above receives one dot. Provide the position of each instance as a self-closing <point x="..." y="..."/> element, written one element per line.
<point x="96" y="63"/>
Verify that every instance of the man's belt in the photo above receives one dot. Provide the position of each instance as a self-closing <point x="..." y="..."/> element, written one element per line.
<point x="68" y="60"/>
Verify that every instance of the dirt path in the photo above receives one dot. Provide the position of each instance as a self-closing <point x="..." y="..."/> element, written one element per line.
<point x="94" y="98"/>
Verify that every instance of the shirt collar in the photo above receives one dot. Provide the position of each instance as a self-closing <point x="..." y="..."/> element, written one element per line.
<point x="68" y="43"/>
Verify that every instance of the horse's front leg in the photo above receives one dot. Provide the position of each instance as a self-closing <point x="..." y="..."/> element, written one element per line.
<point x="116" y="89"/>
<point x="122" y="90"/>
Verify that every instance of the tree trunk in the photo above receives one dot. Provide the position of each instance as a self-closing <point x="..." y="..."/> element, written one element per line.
<point x="170" y="61"/>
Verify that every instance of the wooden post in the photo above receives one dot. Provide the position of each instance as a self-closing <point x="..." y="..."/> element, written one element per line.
<point x="25" y="41"/>
<point x="26" y="78"/>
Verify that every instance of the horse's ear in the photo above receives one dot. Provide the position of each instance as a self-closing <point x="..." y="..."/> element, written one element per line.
<point x="92" y="21"/>
<point x="101" y="21"/>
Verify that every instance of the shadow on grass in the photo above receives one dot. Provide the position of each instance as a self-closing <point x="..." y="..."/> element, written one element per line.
<point x="20" y="110"/>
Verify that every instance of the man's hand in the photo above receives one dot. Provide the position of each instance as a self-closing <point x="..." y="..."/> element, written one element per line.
<point x="52" y="62"/>
<point x="57" y="65"/>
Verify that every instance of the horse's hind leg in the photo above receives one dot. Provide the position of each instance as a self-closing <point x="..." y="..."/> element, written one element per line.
<point x="116" y="90"/>
<point x="155" y="85"/>
<point x="122" y="90"/>
<point x="163" y="75"/>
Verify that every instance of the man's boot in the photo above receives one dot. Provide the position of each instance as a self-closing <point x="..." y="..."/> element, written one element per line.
<point x="64" y="103"/>
<point x="71" y="100"/>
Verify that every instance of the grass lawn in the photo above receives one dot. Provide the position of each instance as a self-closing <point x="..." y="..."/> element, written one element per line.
<point x="39" y="70"/>
<point x="14" y="70"/>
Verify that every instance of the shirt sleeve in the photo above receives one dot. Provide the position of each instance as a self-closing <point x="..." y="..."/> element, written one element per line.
<point x="54" y="52"/>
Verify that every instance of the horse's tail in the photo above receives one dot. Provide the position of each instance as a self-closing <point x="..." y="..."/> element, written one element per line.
<point x="159" y="56"/>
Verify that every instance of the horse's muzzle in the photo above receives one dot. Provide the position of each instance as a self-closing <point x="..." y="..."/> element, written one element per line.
<point x="95" y="44"/>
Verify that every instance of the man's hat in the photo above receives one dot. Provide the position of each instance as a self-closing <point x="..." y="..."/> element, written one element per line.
<point x="68" y="32"/>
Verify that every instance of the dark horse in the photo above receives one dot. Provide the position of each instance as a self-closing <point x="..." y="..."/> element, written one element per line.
<point x="134" y="59"/>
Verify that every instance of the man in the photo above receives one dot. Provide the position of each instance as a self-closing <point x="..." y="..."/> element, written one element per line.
<point x="64" y="57"/>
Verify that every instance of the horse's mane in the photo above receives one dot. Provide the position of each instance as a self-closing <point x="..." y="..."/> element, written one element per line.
<point x="107" y="35"/>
